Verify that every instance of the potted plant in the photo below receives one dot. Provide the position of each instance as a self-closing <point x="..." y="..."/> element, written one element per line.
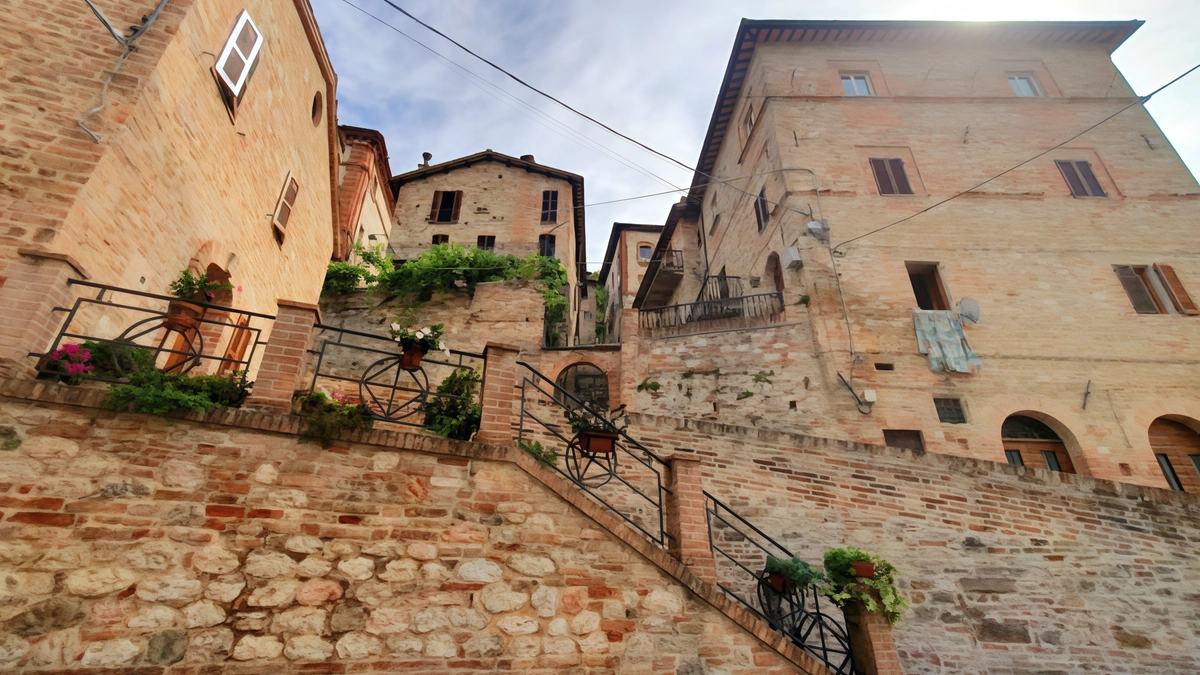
<point x="785" y="576"/>
<point x="858" y="576"/>
<point x="415" y="344"/>
<point x="594" y="434"/>
<point x="182" y="313"/>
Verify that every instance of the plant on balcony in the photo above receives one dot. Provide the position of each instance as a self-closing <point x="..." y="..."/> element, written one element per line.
<point x="416" y="343"/>
<point x="72" y="361"/>
<point x="593" y="433"/>
<point x="453" y="412"/>
<point x="158" y="393"/>
<point x="787" y="575"/>
<point x="544" y="456"/>
<point x="106" y="360"/>
<point x="847" y="570"/>
<point x="182" y="314"/>
<point x="326" y="417"/>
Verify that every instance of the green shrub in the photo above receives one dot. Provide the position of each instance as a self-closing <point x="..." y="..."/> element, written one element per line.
<point x="158" y="393"/>
<point x="456" y="417"/>
<point x="326" y="418"/>
<point x="845" y="586"/>
<point x="196" y="288"/>
<point x="544" y="456"/>
<point x="343" y="277"/>
<point x="795" y="570"/>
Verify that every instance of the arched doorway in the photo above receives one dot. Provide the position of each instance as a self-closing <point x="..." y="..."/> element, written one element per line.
<point x="1031" y="442"/>
<point x="773" y="274"/>
<point x="587" y="383"/>
<point x="1177" y="448"/>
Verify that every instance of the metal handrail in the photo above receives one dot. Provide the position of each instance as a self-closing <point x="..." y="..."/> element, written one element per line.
<point x="650" y="466"/>
<point x="796" y="612"/>
<point x="747" y="306"/>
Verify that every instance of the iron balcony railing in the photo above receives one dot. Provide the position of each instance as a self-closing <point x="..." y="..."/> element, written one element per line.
<point x="126" y="330"/>
<point x="366" y="368"/>
<point x="720" y="287"/>
<point x="671" y="261"/>
<point x="764" y="306"/>
<point x="619" y="473"/>
<point x="740" y="551"/>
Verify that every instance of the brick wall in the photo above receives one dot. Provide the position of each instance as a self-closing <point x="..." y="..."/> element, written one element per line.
<point x="1008" y="570"/>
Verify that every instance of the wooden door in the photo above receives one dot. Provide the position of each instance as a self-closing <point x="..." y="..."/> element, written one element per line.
<point x="1040" y="453"/>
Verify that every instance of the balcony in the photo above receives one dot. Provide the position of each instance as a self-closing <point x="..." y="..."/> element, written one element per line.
<point x="706" y="316"/>
<point x="665" y="273"/>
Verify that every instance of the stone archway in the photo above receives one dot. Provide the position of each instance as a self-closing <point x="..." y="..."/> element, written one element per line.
<point x="1037" y="440"/>
<point x="1176" y="446"/>
<point x="587" y="383"/>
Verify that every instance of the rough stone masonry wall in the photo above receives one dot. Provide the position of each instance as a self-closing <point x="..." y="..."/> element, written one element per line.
<point x="174" y="546"/>
<point x="1009" y="570"/>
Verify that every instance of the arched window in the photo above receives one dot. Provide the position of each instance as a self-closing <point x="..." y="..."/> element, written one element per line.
<point x="587" y="383"/>
<point x="1031" y="442"/>
<point x="1177" y="448"/>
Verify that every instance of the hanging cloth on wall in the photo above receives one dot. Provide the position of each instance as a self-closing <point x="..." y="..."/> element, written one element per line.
<point x="940" y="336"/>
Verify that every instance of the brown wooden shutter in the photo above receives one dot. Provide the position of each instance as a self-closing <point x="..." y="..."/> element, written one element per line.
<point x="457" y="206"/>
<point x="1138" y="294"/>
<point x="1178" y="294"/>
<point x="900" y="178"/>
<point x="437" y="203"/>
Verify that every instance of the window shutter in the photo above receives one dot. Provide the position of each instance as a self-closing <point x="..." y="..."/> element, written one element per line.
<point x="1089" y="179"/>
<point x="882" y="180"/>
<point x="457" y="206"/>
<point x="1178" y="294"/>
<point x="240" y="55"/>
<point x="1138" y="294"/>
<point x="901" y="178"/>
<point x="437" y="203"/>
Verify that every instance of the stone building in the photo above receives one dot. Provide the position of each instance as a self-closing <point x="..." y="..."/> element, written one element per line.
<point x="626" y="258"/>
<point x="1041" y="318"/>
<point x="366" y="202"/>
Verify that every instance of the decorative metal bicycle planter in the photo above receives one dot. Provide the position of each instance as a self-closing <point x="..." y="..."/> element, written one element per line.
<point x="393" y="389"/>
<point x="591" y="457"/>
<point x="180" y="324"/>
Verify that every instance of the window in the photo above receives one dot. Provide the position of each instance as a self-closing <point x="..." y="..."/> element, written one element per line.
<point x="644" y="251"/>
<point x="441" y="239"/>
<point x="1051" y="460"/>
<point x="1164" y="463"/>
<point x="587" y="316"/>
<point x="1014" y="457"/>
<point x="927" y="286"/>
<point x="1155" y="289"/>
<point x="716" y="222"/>
<point x="890" y="177"/>
<point x="546" y="245"/>
<point x="235" y="352"/>
<point x="485" y="242"/>
<point x="856" y="84"/>
<point x="550" y="206"/>
<point x="238" y="59"/>
<point x="950" y="411"/>
<point x="748" y="121"/>
<point x="1079" y="177"/>
<point x="283" y="209"/>
<point x="761" y="213"/>
<point x="908" y="439"/>
<point x="445" y="206"/>
<point x="1195" y="462"/>
<point x="1024" y="86"/>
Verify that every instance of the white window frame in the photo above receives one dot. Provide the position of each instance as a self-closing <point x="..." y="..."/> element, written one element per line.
<point x="864" y="76"/>
<point x="1033" y="84"/>
<point x="235" y="88"/>
<point x="281" y="226"/>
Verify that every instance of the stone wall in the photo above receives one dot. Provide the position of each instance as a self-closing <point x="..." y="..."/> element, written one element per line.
<point x="178" y="546"/>
<point x="1009" y="570"/>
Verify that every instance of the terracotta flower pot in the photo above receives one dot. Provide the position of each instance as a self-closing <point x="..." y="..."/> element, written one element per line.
<point x="598" y="442"/>
<point x="410" y="358"/>
<point x="865" y="570"/>
<point x="183" y="315"/>
<point x="780" y="583"/>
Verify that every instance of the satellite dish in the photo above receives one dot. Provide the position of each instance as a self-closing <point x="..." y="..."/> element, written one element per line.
<point x="968" y="310"/>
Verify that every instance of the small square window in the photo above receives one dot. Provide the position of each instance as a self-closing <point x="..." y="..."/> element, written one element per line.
<point x="549" y="206"/>
<point x="446" y="205"/>
<point x="485" y="242"/>
<point x="890" y="177"/>
<point x="1014" y="457"/>
<point x="644" y="251"/>
<point x="950" y="411"/>
<point x="1024" y="86"/>
<point x="857" y="84"/>
<point x="1080" y="178"/>
<point x="908" y="439"/>
<point x="927" y="286"/>
<point x="441" y="239"/>
<point x="546" y="245"/>
<point x="761" y="212"/>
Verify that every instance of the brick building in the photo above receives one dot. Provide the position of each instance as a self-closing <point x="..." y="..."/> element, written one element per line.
<point x="1042" y="318"/>
<point x="366" y="202"/>
<point x="626" y="259"/>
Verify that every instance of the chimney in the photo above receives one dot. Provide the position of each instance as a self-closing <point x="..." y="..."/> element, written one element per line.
<point x="425" y="156"/>
<point x="528" y="158"/>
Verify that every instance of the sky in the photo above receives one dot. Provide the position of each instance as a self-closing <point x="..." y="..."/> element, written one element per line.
<point x="651" y="70"/>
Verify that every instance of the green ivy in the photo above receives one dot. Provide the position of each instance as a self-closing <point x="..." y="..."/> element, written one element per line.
<point x="158" y="393"/>
<point x="343" y="277"/>
<point x="795" y="570"/>
<point x="453" y="412"/>
<point x="845" y="586"/>
<point x="544" y="456"/>
<point x="601" y="313"/>
<point x="326" y="418"/>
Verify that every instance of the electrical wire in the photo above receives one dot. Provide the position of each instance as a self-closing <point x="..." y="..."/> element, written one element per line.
<point x="1140" y="101"/>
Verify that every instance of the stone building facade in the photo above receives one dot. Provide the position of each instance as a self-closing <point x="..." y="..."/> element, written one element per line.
<point x="366" y="203"/>
<point x="630" y="247"/>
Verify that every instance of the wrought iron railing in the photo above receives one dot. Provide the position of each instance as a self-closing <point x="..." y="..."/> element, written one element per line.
<point x="740" y="552"/>
<point x="671" y="261"/>
<point x="365" y="367"/>
<point x="130" y="330"/>
<point x="763" y="306"/>
<point x="594" y="453"/>
<point x="720" y="287"/>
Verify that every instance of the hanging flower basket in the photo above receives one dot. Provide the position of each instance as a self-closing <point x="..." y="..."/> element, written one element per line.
<point x="598" y="442"/>
<point x="183" y="315"/>
<point x="410" y="358"/>
<point x="865" y="570"/>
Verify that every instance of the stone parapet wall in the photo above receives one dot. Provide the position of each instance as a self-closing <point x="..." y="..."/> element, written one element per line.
<point x="1009" y="570"/>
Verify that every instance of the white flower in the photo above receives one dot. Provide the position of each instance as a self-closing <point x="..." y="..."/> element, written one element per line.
<point x="395" y="326"/>
<point x="421" y="334"/>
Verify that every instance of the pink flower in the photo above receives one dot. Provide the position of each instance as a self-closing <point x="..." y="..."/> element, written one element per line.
<point x="78" y="368"/>
<point x="339" y="398"/>
<point x="239" y="289"/>
<point x="71" y="349"/>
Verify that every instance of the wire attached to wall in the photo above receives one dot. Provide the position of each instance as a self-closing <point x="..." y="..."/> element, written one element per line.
<point x="127" y="46"/>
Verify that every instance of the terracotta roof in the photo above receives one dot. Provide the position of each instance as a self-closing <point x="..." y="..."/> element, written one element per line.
<point x="574" y="179"/>
<point x="751" y="33"/>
